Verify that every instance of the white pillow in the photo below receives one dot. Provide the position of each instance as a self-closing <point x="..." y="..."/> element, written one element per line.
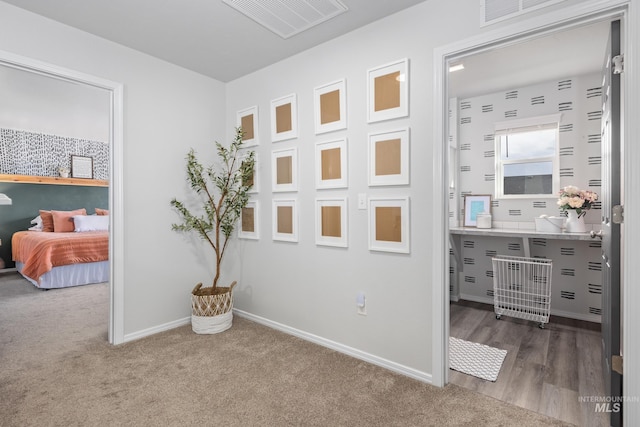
<point x="37" y="221"/>
<point x="91" y="222"/>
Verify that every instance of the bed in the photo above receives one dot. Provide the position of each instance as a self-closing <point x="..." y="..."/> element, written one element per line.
<point x="59" y="260"/>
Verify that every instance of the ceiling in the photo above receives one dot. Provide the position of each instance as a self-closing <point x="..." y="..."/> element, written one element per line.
<point x="206" y="36"/>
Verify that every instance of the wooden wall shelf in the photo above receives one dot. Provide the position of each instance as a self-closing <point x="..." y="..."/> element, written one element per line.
<point x="53" y="180"/>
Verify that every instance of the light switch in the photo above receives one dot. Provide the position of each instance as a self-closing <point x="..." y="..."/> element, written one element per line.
<point x="362" y="201"/>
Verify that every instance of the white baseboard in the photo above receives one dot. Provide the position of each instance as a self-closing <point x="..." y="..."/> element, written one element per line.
<point x="341" y="348"/>
<point x="578" y="316"/>
<point x="157" y="329"/>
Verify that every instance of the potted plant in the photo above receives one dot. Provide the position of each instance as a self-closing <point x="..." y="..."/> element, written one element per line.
<point x="223" y="189"/>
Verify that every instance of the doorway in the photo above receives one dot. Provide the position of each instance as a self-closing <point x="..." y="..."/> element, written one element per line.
<point x="115" y="196"/>
<point x="451" y="54"/>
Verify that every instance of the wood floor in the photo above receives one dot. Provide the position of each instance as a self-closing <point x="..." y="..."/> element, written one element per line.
<point x="546" y="370"/>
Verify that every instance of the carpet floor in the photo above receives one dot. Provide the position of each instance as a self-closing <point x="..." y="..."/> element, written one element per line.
<point x="57" y="369"/>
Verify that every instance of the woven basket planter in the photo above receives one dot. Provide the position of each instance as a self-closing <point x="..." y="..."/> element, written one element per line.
<point x="211" y="313"/>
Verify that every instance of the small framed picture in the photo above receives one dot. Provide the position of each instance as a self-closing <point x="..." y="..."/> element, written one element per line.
<point x="388" y="91"/>
<point x="330" y="101"/>
<point x="331" y="222"/>
<point x="285" y="220"/>
<point x="331" y="164"/>
<point x="249" y="221"/>
<point x="284" y="118"/>
<point x="81" y="167"/>
<point x="254" y="178"/>
<point x="247" y="119"/>
<point x="389" y="158"/>
<point x="473" y="205"/>
<point x="389" y="224"/>
<point x="284" y="167"/>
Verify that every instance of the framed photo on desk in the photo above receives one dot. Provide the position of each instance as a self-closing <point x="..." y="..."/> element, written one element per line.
<point x="473" y="205"/>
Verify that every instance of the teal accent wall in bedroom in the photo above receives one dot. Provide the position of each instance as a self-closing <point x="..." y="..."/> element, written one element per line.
<point x="28" y="199"/>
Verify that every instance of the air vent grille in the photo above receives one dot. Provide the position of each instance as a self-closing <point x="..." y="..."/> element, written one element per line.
<point x="492" y="11"/>
<point x="287" y="18"/>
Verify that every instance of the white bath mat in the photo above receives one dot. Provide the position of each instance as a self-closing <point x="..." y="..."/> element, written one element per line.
<point x="475" y="359"/>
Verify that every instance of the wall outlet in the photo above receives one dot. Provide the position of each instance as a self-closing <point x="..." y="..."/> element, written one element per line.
<point x="362" y="201"/>
<point x="361" y="304"/>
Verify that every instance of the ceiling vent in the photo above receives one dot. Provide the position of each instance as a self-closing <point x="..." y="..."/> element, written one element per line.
<point x="287" y="18"/>
<point x="492" y="11"/>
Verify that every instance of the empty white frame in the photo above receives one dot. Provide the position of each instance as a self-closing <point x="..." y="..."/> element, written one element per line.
<point x="389" y="157"/>
<point x="331" y="164"/>
<point x="249" y="221"/>
<point x="388" y="91"/>
<point x="285" y="220"/>
<point x="331" y="222"/>
<point x="247" y="119"/>
<point x="330" y="101"/>
<point x="284" y="118"/>
<point x="389" y="224"/>
<point x="284" y="170"/>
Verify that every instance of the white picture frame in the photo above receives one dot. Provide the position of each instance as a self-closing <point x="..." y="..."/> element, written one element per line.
<point x="249" y="226"/>
<point x="284" y="220"/>
<point x="389" y="157"/>
<point x="256" y="175"/>
<point x="330" y="102"/>
<point x="284" y="118"/>
<point x="248" y="120"/>
<point x="389" y="224"/>
<point x="388" y="91"/>
<point x="331" y="164"/>
<point x="331" y="222"/>
<point x="284" y="170"/>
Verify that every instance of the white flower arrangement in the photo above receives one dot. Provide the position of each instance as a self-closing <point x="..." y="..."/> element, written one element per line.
<point x="572" y="197"/>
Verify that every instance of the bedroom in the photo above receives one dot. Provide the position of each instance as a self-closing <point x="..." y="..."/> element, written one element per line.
<point x="169" y="107"/>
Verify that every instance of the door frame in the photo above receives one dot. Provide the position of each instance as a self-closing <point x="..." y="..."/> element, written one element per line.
<point x="116" y="216"/>
<point x="580" y="14"/>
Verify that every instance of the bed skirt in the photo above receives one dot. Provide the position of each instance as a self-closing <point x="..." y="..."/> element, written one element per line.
<point x="71" y="275"/>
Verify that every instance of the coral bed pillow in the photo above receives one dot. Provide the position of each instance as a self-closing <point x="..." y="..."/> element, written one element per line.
<point x="47" y="220"/>
<point x="102" y="211"/>
<point x="63" y="220"/>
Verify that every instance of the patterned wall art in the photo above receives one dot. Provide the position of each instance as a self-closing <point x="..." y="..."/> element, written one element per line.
<point x="247" y="119"/>
<point x="389" y="224"/>
<point x="285" y="220"/>
<point x="38" y="154"/>
<point x="389" y="158"/>
<point x="284" y="118"/>
<point x="331" y="164"/>
<point x="388" y="91"/>
<point x="330" y="102"/>
<point x="331" y="222"/>
<point x="249" y="221"/>
<point x="284" y="167"/>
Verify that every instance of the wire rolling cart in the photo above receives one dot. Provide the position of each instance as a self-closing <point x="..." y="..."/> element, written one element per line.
<point x="522" y="288"/>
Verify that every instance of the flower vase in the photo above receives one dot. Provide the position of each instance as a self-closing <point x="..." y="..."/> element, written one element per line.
<point x="575" y="223"/>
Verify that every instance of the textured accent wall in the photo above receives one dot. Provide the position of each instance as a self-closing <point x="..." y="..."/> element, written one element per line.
<point x="39" y="154"/>
<point x="576" y="280"/>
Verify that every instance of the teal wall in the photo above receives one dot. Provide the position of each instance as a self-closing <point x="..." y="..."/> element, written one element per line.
<point x="28" y="199"/>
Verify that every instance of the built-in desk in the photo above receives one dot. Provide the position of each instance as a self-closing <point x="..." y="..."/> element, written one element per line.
<point x="456" y="234"/>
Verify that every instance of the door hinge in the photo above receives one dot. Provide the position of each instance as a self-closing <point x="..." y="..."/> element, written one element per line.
<point x="616" y="364"/>
<point x="617" y="214"/>
<point x="618" y="64"/>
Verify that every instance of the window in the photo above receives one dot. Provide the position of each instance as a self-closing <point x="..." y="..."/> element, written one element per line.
<point x="527" y="157"/>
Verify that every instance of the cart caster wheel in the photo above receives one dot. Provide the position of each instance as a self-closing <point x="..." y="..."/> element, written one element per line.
<point x="541" y="326"/>
<point x="498" y="316"/>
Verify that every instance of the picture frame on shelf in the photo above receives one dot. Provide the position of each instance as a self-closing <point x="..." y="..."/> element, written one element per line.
<point x="388" y="91"/>
<point x="389" y="224"/>
<point x="250" y="221"/>
<point x="473" y="205"/>
<point x="285" y="220"/>
<point x="331" y="164"/>
<point x="284" y="118"/>
<point x="331" y="222"/>
<point x="389" y="157"/>
<point x="247" y="119"/>
<point x="330" y="102"/>
<point x="81" y="167"/>
<point x="284" y="170"/>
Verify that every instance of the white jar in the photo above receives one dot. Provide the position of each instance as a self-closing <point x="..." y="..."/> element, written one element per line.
<point x="483" y="220"/>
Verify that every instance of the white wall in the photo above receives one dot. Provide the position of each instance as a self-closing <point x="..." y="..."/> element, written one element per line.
<point x="167" y="110"/>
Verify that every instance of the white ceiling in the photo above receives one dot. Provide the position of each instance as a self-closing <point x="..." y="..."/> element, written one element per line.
<point x="206" y="36"/>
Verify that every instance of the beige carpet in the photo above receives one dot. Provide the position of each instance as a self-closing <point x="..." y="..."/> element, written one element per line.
<point x="56" y="369"/>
